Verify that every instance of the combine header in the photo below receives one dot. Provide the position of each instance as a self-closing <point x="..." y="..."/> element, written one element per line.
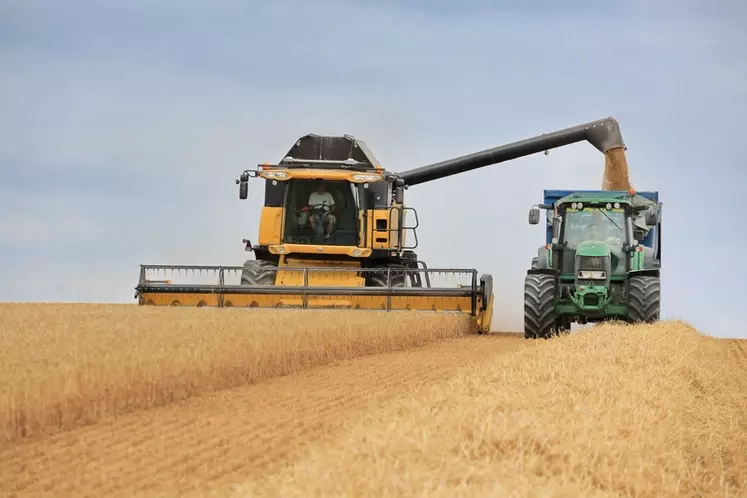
<point x="333" y="235"/>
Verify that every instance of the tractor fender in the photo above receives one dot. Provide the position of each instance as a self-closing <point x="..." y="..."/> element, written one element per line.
<point x="541" y="259"/>
<point x="542" y="271"/>
<point x="649" y="272"/>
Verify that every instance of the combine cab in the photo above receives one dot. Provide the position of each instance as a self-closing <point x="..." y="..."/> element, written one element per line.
<point x="333" y="235"/>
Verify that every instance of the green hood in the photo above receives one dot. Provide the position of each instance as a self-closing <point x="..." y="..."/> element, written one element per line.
<point x="592" y="248"/>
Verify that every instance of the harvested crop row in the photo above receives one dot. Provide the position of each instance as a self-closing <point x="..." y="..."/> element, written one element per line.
<point x="612" y="411"/>
<point x="201" y="446"/>
<point x="738" y="350"/>
<point x="64" y="366"/>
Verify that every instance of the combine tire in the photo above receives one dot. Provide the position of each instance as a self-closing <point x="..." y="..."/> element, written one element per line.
<point x="378" y="279"/>
<point x="539" y="306"/>
<point x="258" y="272"/>
<point x="644" y="299"/>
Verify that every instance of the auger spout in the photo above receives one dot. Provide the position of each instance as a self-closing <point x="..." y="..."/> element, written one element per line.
<point x="604" y="134"/>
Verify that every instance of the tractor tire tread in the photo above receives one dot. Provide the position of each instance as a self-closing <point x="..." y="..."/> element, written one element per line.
<point x="644" y="299"/>
<point x="539" y="306"/>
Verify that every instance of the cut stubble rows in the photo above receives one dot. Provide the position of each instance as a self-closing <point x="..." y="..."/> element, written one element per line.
<point x="66" y="366"/>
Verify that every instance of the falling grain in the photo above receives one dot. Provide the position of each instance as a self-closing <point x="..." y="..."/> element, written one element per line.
<point x="616" y="170"/>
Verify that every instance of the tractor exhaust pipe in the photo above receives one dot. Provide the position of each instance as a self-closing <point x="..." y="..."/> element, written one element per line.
<point x="603" y="134"/>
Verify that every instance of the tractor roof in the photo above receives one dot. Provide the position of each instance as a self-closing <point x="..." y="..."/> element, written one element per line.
<point x="598" y="196"/>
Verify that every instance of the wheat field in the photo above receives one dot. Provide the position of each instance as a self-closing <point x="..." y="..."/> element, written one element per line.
<point x="64" y="366"/>
<point x="612" y="410"/>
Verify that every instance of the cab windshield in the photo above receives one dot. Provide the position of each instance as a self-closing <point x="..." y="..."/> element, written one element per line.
<point x="322" y="212"/>
<point x="596" y="224"/>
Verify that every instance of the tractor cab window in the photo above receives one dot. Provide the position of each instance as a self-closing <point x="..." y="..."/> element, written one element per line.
<point x="321" y="212"/>
<point x="602" y="225"/>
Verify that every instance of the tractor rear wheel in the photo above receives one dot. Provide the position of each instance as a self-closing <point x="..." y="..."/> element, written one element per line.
<point x="379" y="278"/>
<point x="258" y="272"/>
<point x="539" y="306"/>
<point x="644" y="299"/>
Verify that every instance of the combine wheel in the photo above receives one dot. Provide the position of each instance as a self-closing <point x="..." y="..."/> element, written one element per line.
<point x="539" y="306"/>
<point x="378" y="279"/>
<point x="644" y="299"/>
<point x="258" y="272"/>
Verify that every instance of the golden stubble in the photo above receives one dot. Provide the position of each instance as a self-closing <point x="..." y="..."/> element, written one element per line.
<point x="64" y="366"/>
<point x="616" y="410"/>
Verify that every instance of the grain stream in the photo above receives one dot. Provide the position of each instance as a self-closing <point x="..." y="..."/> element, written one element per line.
<point x="67" y="366"/>
<point x="206" y="444"/>
<point x="616" y="175"/>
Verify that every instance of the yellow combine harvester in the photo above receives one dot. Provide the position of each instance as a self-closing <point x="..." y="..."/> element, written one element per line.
<point x="332" y="235"/>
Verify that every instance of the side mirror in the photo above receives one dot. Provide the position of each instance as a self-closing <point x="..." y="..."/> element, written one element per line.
<point x="534" y="215"/>
<point x="652" y="217"/>
<point x="243" y="190"/>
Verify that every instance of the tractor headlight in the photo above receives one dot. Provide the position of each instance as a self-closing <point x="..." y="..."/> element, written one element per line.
<point x="592" y="275"/>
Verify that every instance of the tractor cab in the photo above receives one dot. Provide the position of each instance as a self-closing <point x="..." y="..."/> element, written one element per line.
<point x="596" y="228"/>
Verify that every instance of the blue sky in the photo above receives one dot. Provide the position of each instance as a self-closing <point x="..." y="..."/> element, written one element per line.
<point x="124" y="125"/>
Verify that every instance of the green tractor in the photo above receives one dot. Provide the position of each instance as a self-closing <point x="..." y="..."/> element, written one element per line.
<point x="601" y="261"/>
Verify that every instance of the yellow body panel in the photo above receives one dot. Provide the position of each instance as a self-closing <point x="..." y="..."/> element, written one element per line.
<point x="353" y="251"/>
<point x="319" y="278"/>
<point x="270" y="225"/>
<point x="380" y="239"/>
<point x="404" y="303"/>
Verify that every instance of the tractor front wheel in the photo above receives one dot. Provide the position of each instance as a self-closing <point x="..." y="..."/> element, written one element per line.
<point x="540" y="321"/>
<point x="644" y="299"/>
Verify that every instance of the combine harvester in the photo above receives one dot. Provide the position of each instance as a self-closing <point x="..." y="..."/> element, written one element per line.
<point x="601" y="259"/>
<point x="332" y="234"/>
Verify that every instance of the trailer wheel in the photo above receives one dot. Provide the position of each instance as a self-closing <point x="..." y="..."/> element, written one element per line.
<point x="378" y="279"/>
<point x="539" y="306"/>
<point x="258" y="272"/>
<point x="644" y="299"/>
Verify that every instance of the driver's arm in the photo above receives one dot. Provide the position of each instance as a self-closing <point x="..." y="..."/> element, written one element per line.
<point x="332" y="205"/>
<point x="307" y="206"/>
